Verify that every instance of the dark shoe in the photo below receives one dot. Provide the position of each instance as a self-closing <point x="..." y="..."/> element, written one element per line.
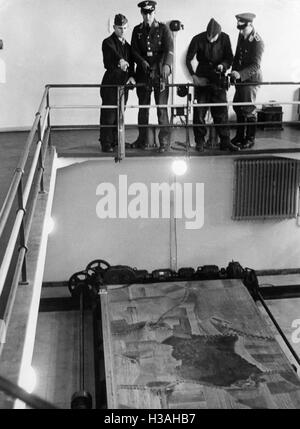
<point x="163" y="147"/>
<point x="249" y="141"/>
<point x="250" y="134"/>
<point x="226" y="144"/>
<point x="233" y="148"/>
<point x="248" y="144"/>
<point x="237" y="141"/>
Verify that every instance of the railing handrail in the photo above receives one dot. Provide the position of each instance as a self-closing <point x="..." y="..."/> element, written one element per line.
<point x="19" y="230"/>
<point x="30" y="399"/>
<point x="170" y="85"/>
<point x="154" y="106"/>
<point x="16" y="189"/>
<point x="19" y="171"/>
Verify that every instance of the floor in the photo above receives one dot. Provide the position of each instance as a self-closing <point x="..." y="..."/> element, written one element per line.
<point x="85" y="142"/>
<point x="56" y="345"/>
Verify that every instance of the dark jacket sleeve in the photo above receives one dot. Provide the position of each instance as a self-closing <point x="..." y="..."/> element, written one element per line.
<point x="168" y="46"/>
<point x="254" y="67"/>
<point x="131" y="63"/>
<point x="228" y="55"/>
<point x="111" y="57"/>
<point x="235" y="58"/>
<point x="191" y="52"/>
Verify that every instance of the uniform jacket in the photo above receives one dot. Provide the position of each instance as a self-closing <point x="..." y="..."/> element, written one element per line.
<point x="209" y="55"/>
<point x="247" y="58"/>
<point x="113" y="50"/>
<point x="156" y="47"/>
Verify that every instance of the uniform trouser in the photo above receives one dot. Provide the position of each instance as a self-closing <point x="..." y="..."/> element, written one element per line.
<point x="109" y="135"/>
<point x="161" y="97"/>
<point x="245" y="94"/>
<point x="211" y="94"/>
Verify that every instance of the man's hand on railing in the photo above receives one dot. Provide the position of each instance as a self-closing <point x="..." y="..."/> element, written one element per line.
<point x="235" y="75"/>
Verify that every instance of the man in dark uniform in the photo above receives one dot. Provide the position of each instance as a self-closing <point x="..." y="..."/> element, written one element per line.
<point x="152" y="47"/>
<point x="214" y="55"/>
<point x="119" y="65"/>
<point x="246" y="68"/>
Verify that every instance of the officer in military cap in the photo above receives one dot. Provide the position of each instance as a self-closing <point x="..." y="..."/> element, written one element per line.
<point x="246" y="67"/>
<point x="213" y="52"/>
<point x="152" y="46"/>
<point x="119" y="64"/>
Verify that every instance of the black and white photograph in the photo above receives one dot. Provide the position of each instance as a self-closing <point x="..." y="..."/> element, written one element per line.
<point x="149" y="207"/>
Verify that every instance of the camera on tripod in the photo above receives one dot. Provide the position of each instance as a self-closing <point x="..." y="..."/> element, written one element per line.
<point x="176" y="25"/>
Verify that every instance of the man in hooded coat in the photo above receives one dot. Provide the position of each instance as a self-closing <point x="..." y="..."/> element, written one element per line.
<point x="213" y="52"/>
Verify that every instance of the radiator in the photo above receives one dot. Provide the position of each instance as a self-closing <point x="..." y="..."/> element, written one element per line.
<point x="265" y="188"/>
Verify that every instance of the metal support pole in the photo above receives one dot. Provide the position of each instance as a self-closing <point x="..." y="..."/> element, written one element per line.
<point x="173" y="225"/>
<point x="100" y="379"/>
<point x="48" y="118"/>
<point x="121" y="124"/>
<point x="22" y="233"/>
<point x="173" y="79"/>
<point x="187" y="132"/>
<point x="81" y="342"/>
<point x="41" y="166"/>
<point x="81" y="399"/>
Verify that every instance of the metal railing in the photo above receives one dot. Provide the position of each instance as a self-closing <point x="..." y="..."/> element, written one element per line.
<point x="187" y="106"/>
<point x="27" y="183"/>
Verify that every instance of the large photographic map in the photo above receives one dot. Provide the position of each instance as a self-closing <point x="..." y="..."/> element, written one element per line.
<point x="200" y="344"/>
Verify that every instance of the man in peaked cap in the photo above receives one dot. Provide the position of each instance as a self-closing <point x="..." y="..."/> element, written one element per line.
<point x="246" y="68"/>
<point x="147" y="6"/>
<point x="119" y="65"/>
<point x="214" y="55"/>
<point x="152" y="47"/>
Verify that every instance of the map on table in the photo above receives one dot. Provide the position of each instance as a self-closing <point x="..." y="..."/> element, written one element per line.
<point x="198" y="344"/>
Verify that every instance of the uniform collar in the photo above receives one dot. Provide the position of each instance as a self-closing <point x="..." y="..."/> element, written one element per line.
<point x="154" y="24"/>
<point x="250" y="36"/>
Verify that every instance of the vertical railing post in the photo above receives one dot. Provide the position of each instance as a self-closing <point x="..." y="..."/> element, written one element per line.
<point x="187" y="133"/>
<point x="173" y="89"/>
<point x="48" y="117"/>
<point x="22" y="232"/>
<point x="121" y="123"/>
<point x="41" y="166"/>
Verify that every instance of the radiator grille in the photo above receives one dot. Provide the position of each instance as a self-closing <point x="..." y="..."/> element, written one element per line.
<point x="265" y="188"/>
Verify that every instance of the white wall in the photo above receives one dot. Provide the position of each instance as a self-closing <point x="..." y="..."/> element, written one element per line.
<point x="59" y="41"/>
<point x="80" y="236"/>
